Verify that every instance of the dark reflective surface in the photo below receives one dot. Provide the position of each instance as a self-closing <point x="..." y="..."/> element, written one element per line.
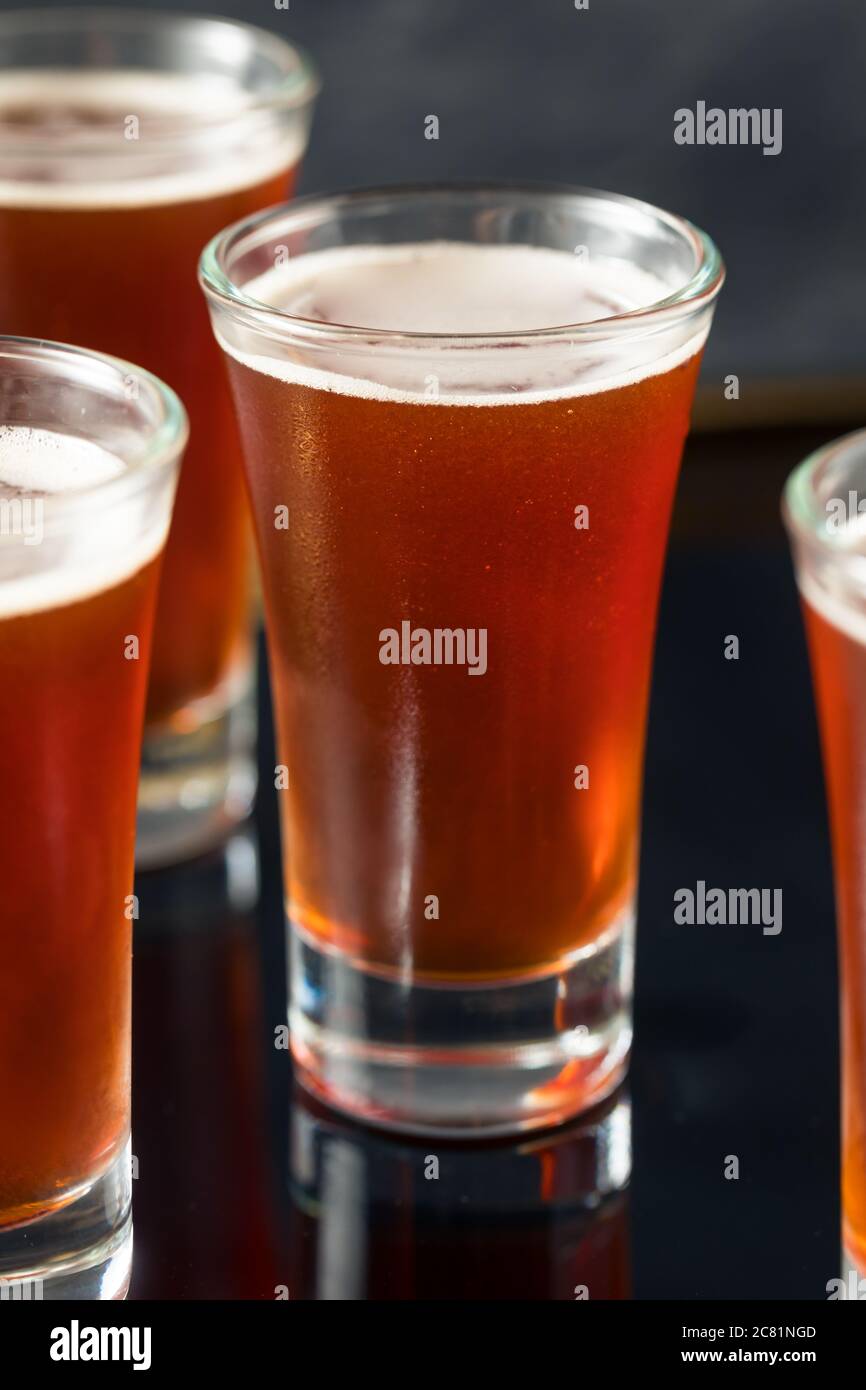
<point x="207" y="1186"/>
<point x="381" y="1218"/>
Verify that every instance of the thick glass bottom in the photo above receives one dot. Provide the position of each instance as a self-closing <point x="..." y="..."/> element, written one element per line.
<point x="82" y="1250"/>
<point x="468" y="1059"/>
<point x="196" y="782"/>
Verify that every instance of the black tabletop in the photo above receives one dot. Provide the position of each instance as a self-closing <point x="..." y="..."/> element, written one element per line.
<point x="247" y="1189"/>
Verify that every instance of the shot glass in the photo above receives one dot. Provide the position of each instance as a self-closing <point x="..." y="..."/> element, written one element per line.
<point x="89" y="454"/>
<point x="127" y="139"/>
<point x="825" y="512"/>
<point x="463" y="411"/>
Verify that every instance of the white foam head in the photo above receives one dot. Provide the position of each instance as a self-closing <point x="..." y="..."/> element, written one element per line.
<point x="34" y="461"/>
<point x="456" y="288"/>
<point x="42" y="566"/>
<point x="50" y="166"/>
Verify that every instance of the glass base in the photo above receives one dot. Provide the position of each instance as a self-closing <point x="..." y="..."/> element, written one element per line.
<point x="198" y="783"/>
<point x="462" y="1060"/>
<point x="82" y="1250"/>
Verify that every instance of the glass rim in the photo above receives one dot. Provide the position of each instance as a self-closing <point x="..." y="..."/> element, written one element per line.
<point x="699" y="290"/>
<point x="301" y="81"/>
<point x="802" y="510"/>
<point x="165" y="440"/>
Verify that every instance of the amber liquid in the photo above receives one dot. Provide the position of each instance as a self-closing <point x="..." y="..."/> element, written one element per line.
<point x="406" y="782"/>
<point x="839" y="672"/>
<point x="71" y="712"/>
<point x="122" y="280"/>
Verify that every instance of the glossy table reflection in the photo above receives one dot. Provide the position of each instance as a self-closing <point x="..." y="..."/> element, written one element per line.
<point x="381" y="1218"/>
<point x="247" y="1188"/>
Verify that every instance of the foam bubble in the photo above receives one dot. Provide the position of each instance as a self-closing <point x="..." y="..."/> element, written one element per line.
<point x="40" y="569"/>
<point x="48" y="106"/>
<point x="453" y="288"/>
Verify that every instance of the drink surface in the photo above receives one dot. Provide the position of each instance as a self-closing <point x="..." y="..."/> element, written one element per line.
<point x="112" y="137"/>
<point x="433" y="819"/>
<point x="448" y="288"/>
<point x="37" y="467"/>
<point x="836" y="627"/>
<point x="452" y="287"/>
<point x="100" y="236"/>
<point x="42" y="461"/>
<point x="71" y="709"/>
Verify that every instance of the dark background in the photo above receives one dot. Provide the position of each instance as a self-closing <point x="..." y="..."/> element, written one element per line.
<point x="736" y="1032"/>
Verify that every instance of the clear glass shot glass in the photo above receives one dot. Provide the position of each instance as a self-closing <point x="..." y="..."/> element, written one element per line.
<point x="825" y="513"/>
<point x="127" y="140"/>
<point x="463" y="411"/>
<point x="89" y="454"/>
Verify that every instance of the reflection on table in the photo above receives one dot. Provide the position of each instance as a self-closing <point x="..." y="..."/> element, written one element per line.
<point x="381" y="1217"/>
<point x="247" y="1188"/>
